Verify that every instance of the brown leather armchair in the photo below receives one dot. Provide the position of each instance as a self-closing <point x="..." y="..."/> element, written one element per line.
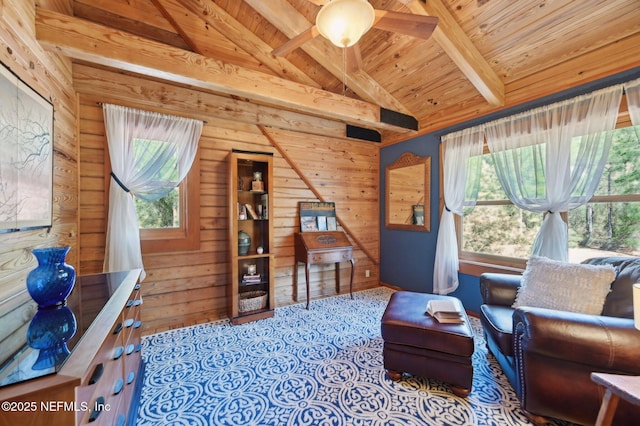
<point x="549" y="355"/>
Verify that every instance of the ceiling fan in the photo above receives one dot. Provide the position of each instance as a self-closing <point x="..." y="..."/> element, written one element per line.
<point x="344" y="22"/>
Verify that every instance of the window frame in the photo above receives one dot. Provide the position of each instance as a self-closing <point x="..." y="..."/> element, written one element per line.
<point x="186" y="237"/>
<point x="474" y="263"/>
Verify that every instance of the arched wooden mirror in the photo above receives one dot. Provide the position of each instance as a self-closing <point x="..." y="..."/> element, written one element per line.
<point x="408" y="193"/>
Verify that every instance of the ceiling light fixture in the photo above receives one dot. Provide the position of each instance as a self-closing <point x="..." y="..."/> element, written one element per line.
<point x="343" y="22"/>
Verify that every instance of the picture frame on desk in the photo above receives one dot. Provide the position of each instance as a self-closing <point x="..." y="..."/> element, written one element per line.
<point x="317" y="216"/>
<point x="308" y="224"/>
<point x="322" y="223"/>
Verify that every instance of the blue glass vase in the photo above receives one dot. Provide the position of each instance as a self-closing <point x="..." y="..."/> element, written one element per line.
<point x="52" y="280"/>
<point x="49" y="331"/>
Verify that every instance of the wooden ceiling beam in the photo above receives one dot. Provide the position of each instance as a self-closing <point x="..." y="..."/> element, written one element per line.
<point x="228" y="26"/>
<point x="620" y="56"/>
<point x="94" y="43"/>
<point x="457" y="45"/>
<point x="282" y="15"/>
<point x="163" y="7"/>
<point x="111" y="19"/>
<point x="138" y="92"/>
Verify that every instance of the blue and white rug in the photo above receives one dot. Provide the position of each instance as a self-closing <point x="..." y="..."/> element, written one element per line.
<point x="317" y="367"/>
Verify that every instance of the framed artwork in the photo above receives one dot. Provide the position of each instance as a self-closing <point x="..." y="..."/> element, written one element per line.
<point x="26" y="159"/>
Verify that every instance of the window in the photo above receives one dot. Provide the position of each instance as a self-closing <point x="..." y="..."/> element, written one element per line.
<point x="163" y="213"/>
<point x="171" y="223"/>
<point x="160" y="214"/>
<point x="497" y="232"/>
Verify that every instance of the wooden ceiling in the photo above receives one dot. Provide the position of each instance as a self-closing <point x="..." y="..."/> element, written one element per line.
<point x="484" y="54"/>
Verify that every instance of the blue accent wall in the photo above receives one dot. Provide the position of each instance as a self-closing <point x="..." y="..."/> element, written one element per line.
<point x="407" y="257"/>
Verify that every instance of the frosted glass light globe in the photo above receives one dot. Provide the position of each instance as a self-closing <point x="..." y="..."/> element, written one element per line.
<point x="344" y="22"/>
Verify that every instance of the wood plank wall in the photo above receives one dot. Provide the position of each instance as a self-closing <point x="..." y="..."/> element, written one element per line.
<point x="50" y="76"/>
<point x="188" y="288"/>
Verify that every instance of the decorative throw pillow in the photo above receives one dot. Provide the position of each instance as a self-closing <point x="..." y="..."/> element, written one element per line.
<point x="565" y="286"/>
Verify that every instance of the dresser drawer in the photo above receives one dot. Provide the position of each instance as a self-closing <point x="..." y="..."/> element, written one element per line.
<point x="105" y="394"/>
<point x="332" y="256"/>
<point x="105" y="353"/>
<point x="114" y="413"/>
<point x="135" y="300"/>
<point x="132" y="326"/>
<point x="103" y="389"/>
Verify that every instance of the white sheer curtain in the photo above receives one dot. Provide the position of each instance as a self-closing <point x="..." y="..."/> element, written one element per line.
<point x="550" y="159"/>
<point x="632" y="89"/>
<point x="141" y="144"/>
<point x="462" y="164"/>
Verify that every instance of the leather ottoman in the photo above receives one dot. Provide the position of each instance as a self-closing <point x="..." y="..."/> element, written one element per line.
<point x="418" y="344"/>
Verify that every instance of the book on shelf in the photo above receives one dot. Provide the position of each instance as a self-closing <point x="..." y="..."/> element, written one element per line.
<point x="251" y="278"/>
<point x="252" y="213"/>
<point x="264" y="200"/>
<point x="445" y="311"/>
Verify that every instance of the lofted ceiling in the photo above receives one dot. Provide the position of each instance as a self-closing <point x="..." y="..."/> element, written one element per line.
<point x="484" y="54"/>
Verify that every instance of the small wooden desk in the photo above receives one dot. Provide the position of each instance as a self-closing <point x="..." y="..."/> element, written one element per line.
<point x="616" y="386"/>
<point x="321" y="247"/>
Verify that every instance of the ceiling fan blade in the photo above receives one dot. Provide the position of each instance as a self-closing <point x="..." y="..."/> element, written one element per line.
<point x="420" y="26"/>
<point x="296" y="42"/>
<point x="354" y="59"/>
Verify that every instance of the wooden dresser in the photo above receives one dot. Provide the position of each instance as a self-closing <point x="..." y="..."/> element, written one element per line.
<point x="100" y="381"/>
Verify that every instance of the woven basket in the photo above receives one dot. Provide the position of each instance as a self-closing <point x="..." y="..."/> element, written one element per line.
<point x="252" y="300"/>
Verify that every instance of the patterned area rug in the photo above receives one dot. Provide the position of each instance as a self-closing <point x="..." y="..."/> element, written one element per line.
<point x="317" y="367"/>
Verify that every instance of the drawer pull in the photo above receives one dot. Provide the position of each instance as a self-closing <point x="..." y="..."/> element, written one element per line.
<point x="98" y="406"/>
<point x="97" y="373"/>
<point x="130" y="348"/>
<point x="137" y="302"/>
<point x="129" y="303"/>
<point x="130" y="377"/>
<point x="118" y="352"/>
<point x="137" y="324"/>
<point x="128" y="323"/>
<point x="118" y="328"/>
<point x="136" y="287"/>
<point x="118" y="387"/>
<point x="138" y="347"/>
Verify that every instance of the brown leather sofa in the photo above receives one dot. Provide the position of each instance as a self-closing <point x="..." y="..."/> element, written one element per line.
<point x="549" y="355"/>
